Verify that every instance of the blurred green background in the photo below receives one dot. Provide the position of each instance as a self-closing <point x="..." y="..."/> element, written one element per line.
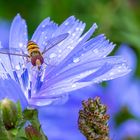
<point x="118" y="19"/>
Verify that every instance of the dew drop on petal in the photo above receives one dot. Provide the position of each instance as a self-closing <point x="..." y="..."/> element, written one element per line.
<point x="66" y="23"/>
<point x="80" y="39"/>
<point x="76" y="60"/>
<point x="119" y="70"/>
<point x="77" y="29"/>
<point x="60" y="51"/>
<point x="43" y="25"/>
<point x="73" y="34"/>
<point x="69" y="32"/>
<point x="73" y="85"/>
<point x="20" y="44"/>
<point x="96" y="51"/>
<point x="52" y="55"/>
<point x="70" y="47"/>
<point x="17" y="67"/>
<point x="111" y="73"/>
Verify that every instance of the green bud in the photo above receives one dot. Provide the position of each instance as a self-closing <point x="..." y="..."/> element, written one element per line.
<point x="9" y="113"/>
<point x="3" y="131"/>
<point x="32" y="133"/>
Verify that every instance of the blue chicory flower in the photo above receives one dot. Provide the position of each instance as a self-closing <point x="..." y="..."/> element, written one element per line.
<point x="74" y="63"/>
<point x="128" y="130"/>
<point x="126" y="94"/>
<point x="121" y="92"/>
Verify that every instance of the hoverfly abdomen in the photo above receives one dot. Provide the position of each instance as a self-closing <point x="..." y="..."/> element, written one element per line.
<point x="32" y="47"/>
<point x="35" y="54"/>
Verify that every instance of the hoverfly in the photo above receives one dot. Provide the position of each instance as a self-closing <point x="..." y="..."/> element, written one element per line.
<point x="34" y="55"/>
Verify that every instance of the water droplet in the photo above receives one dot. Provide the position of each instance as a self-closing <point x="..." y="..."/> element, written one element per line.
<point x="66" y="23"/>
<point x="77" y="28"/>
<point x="69" y="31"/>
<point x="119" y="67"/>
<point x="119" y="70"/>
<point x="96" y="51"/>
<point x="69" y="47"/>
<point x="73" y="85"/>
<point x="20" y="44"/>
<point x="52" y="55"/>
<point x="76" y="60"/>
<point x="43" y="25"/>
<point x="111" y="73"/>
<point x="80" y="39"/>
<point x="60" y="51"/>
<point x="73" y="34"/>
<point x="17" y="67"/>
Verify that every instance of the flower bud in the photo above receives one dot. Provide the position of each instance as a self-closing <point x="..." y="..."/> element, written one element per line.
<point x="3" y="131"/>
<point x="32" y="133"/>
<point x="9" y="113"/>
<point x="93" y="120"/>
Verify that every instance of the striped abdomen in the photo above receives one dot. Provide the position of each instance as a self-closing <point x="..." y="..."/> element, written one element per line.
<point x="35" y="54"/>
<point x="32" y="47"/>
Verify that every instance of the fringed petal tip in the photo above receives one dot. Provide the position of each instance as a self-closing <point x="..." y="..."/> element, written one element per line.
<point x="17" y="16"/>
<point x="95" y="26"/>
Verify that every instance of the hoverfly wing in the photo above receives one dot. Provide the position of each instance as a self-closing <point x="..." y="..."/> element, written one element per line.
<point x="54" y="41"/>
<point x="13" y="51"/>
